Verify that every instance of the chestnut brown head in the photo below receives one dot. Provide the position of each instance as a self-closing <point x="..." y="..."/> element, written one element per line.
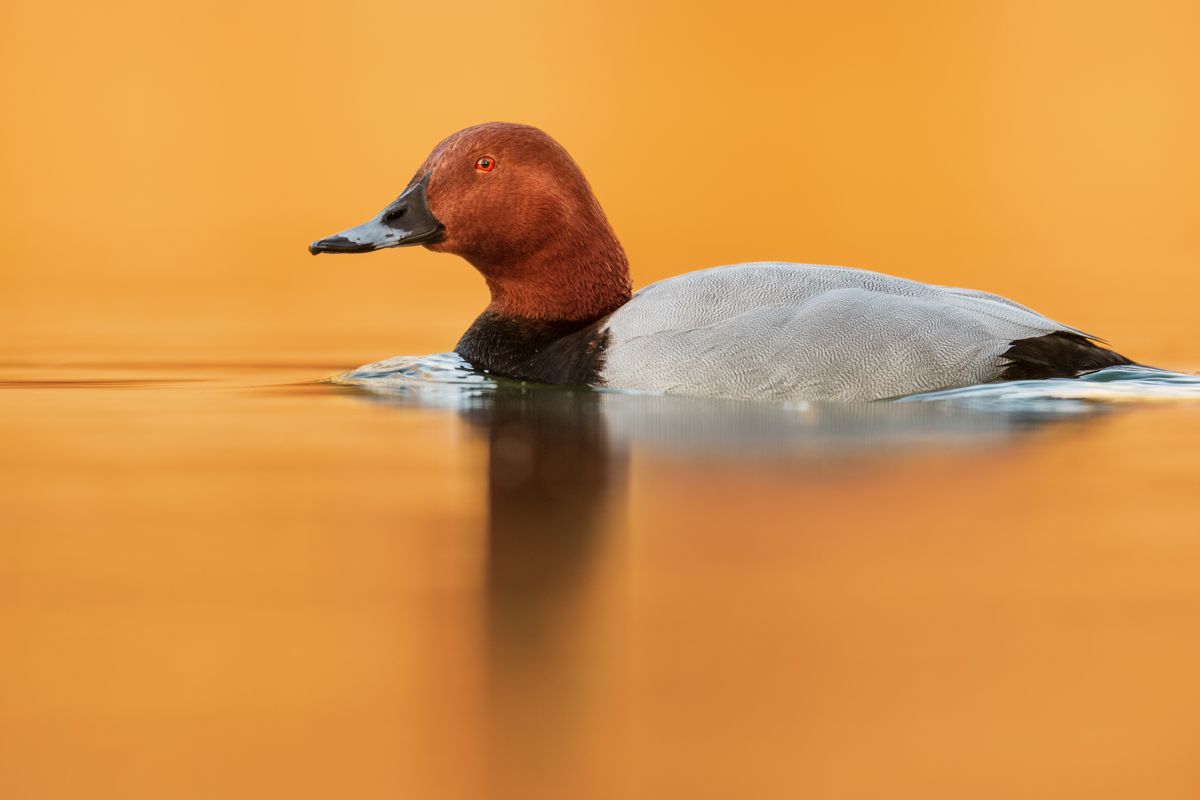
<point x="511" y="201"/>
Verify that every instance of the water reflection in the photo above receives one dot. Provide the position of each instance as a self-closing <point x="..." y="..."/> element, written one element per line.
<point x="612" y="422"/>
<point x="558" y="460"/>
<point x="557" y="466"/>
<point x="553" y="480"/>
<point x="550" y="470"/>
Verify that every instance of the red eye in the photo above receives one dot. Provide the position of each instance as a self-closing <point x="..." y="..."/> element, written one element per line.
<point x="485" y="164"/>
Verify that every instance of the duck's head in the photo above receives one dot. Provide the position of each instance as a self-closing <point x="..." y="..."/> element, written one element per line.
<point x="512" y="202"/>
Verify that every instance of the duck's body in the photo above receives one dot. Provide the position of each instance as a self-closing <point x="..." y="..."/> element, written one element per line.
<point x="793" y="331"/>
<point x="562" y="311"/>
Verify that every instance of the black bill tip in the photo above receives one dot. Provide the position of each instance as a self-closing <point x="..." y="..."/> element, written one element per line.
<point x="339" y="244"/>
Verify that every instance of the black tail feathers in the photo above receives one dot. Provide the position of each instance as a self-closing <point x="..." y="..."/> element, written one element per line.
<point x="1057" y="355"/>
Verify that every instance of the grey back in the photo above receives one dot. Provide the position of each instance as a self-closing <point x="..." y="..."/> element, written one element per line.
<point x="800" y="331"/>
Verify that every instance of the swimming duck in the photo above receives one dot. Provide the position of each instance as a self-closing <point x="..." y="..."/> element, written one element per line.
<point x="512" y="202"/>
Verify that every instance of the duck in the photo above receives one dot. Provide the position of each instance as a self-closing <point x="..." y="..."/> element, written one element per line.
<point x="512" y="202"/>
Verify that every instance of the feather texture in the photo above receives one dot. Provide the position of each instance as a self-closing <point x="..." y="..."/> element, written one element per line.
<point x="799" y="331"/>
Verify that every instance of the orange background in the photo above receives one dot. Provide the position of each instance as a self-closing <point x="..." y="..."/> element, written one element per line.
<point x="165" y="164"/>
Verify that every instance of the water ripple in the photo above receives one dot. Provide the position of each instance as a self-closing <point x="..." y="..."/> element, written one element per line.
<point x="443" y="379"/>
<point x="1127" y="384"/>
<point x="730" y="428"/>
<point x="448" y="378"/>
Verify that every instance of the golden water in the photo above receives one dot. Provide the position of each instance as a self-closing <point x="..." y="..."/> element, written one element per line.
<point x="223" y="580"/>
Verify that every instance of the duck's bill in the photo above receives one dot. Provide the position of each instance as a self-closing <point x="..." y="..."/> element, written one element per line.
<point x="406" y="222"/>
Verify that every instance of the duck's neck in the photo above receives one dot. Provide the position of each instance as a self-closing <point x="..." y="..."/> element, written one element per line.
<point x="578" y="275"/>
<point x="546" y="351"/>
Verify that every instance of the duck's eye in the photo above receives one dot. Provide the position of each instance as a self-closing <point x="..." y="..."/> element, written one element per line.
<point x="485" y="164"/>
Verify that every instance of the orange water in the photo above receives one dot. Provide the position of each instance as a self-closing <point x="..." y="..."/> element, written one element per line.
<point x="220" y="579"/>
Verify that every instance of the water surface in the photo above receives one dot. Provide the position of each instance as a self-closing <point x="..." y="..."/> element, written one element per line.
<point x="255" y="579"/>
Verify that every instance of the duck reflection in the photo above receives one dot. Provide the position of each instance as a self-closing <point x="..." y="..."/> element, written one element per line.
<point x="601" y="424"/>
<point x="558" y="462"/>
<point x="552" y="476"/>
<point x="554" y="484"/>
<point x="557" y="467"/>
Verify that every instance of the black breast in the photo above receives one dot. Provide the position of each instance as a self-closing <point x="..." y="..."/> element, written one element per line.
<point x="567" y="352"/>
<point x="1057" y="355"/>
